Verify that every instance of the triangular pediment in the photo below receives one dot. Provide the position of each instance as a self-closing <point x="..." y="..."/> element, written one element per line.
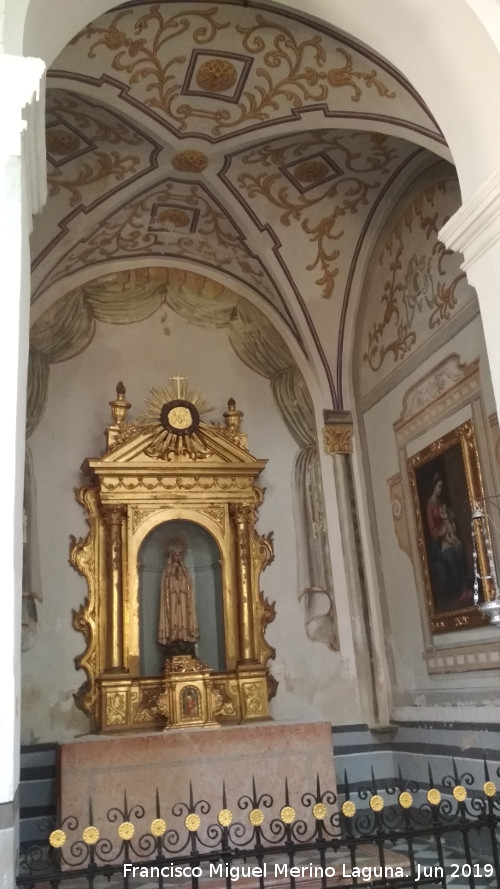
<point x="133" y="452"/>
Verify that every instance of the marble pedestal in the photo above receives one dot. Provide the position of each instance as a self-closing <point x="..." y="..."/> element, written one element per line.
<point x="103" y="768"/>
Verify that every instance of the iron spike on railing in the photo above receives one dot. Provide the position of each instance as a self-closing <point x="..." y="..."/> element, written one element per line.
<point x="486" y="770"/>
<point x="400" y="777"/>
<point x="346" y="786"/>
<point x="287" y="795"/>
<point x="197" y="855"/>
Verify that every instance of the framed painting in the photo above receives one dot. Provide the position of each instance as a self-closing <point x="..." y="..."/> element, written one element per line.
<point x="445" y="478"/>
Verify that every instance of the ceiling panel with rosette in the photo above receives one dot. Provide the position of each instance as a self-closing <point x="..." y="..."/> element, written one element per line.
<point x="250" y="143"/>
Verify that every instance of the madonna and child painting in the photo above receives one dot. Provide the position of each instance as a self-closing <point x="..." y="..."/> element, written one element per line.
<point x="446" y="482"/>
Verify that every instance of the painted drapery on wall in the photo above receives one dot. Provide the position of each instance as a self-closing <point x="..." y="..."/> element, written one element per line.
<point x="68" y="327"/>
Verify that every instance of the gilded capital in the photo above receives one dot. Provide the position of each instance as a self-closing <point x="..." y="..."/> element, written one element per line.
<point x="113" y="515"/>
<point x="337" y="438"/>
<point x="241" y="513"/>
<point x="337" y="432"/>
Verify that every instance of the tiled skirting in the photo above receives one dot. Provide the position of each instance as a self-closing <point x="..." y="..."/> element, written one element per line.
<point x="412" y="748"/>
<point x="38" y="790"/>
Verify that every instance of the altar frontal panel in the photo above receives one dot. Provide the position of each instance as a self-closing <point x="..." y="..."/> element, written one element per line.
<point x="103" y="768"/>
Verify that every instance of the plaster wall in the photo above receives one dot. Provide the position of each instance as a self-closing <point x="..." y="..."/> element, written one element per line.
<point x="314" y="682"/>
<point x="14" y="227"/>
<point x="15" y="205"/>
<point x="416" y="694"/>
<point x="417" y="311"/>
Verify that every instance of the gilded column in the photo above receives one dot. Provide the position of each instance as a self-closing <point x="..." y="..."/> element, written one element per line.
<point x="242" y="517"/>
<point x="113" y="517"/>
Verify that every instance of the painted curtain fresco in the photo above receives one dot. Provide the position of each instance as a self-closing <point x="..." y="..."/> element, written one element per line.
<point x="69" y="325"/>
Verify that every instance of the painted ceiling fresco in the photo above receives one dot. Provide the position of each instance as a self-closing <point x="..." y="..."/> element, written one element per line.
<point x="416" y="285"/>
<point x="243" y="142"/>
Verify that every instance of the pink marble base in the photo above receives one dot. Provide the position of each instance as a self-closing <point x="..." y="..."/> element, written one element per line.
<point x="102" y="768"/>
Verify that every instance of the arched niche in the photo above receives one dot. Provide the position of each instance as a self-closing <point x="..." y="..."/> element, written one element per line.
<point x="202" y="558"/>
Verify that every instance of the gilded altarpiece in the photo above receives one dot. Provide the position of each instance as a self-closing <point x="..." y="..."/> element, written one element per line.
<point x="170" y="467"/>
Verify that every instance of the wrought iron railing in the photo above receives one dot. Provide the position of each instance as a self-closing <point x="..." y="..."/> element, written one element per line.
<point x="397" y="835"/>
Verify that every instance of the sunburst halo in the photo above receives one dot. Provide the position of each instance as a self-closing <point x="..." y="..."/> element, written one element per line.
<point x="166" y="442"/>
<point x="176" y="388"/>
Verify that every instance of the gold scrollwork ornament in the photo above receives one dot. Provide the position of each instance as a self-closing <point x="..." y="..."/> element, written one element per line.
<point x="116" y="708"/>
<point x="253" y="698"/>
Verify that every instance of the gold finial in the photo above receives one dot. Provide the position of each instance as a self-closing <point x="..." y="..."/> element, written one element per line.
<point x="232" y="416"/>
<point x="119" y="406"/>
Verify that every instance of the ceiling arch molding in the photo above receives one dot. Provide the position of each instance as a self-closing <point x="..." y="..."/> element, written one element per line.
<point x="305" y="119"/>
<point x="277" y="71"/>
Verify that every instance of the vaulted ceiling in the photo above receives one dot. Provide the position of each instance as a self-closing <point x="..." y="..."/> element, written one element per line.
<point x="257" y="146"/>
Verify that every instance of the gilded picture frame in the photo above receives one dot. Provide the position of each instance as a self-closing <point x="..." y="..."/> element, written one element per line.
<point x="446" y="482"/>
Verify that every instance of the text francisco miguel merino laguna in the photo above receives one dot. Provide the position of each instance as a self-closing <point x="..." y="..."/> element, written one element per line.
<point x="365" y="873"/>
